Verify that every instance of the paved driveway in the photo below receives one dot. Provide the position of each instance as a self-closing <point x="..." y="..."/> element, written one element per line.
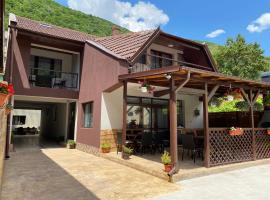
<point x="58" y="173"/>
<point x="246" y="184"/>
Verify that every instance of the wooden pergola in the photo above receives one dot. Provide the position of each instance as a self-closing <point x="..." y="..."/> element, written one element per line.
<point x="175" y="78"/>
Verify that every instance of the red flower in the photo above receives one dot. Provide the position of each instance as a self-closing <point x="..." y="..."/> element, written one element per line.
<point x="10" y="89"/>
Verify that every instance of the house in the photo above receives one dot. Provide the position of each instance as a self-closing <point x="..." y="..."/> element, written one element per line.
<point x="89" y="88"/>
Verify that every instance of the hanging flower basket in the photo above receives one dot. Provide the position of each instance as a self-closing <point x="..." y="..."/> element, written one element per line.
<point x="236" y="131"/>
<point x="3" y="99"/>
<point x="145" y="87"/>
<point x="6" y="90"/>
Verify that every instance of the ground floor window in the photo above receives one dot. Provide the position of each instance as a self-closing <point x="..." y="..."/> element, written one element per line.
<point x="150" y="113"/>
<point x="88" y="115"/>
<point x="19" y="119"/>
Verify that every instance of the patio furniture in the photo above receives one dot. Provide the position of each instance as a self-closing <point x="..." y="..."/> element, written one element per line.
<point x="190" y="145"/>
<point x="159" y="141"/>
<point x="146" y="143"/>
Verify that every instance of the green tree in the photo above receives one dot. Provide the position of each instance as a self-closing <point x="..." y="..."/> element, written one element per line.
<point x="240" y="58"/>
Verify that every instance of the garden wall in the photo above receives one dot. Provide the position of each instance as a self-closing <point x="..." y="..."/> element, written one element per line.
<point x="3" y="123"/>
<point x="236" y="119"/>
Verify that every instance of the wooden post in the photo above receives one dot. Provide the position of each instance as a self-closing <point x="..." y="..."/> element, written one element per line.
<point x="206" y="128"/>
<point x="124" y="126"/>
<point x="252" y="124"/>
<point x="173" y="124"/>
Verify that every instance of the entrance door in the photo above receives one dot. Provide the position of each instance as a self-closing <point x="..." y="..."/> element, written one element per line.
<point x="71" y="122"/>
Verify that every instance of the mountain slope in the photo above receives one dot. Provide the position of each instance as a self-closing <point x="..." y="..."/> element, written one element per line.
<point x="49" y="11"/>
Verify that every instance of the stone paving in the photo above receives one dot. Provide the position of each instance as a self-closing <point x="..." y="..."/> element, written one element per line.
<point x="245" y="184"/>
<point x="59" y="173"/>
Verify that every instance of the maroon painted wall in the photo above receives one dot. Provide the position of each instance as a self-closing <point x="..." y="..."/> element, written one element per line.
<point x="24" y="44"/>
<point x="99" y="72"/>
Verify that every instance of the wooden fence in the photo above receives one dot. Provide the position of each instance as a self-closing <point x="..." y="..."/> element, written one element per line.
<point x="226" y="149"/>
<point x="236" y="119"/>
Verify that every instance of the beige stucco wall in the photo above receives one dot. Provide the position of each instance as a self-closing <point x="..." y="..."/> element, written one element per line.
<point x="3" y="124"/>
<point x="33" y="117"/>
<point x="112" y="108"/>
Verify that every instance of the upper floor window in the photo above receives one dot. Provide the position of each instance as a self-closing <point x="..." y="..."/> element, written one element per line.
<point x="45" y="65"/>
<point x="44" y="70"/>
<point x="160" y="59"/>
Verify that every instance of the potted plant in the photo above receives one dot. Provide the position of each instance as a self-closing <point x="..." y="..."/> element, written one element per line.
<point x="235" y="131"/>
<point x="166" y="160"/>
<point x="126" y="151"/>
<point x="71" y="144"/>
<point x="145" y="87"/>
<point x="105" y="147"/>
<point x="6" y="90"/>
<point x="8" y="109"/>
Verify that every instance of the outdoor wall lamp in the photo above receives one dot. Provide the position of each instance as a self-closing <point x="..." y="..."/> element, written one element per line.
<point x="168" y="76"/>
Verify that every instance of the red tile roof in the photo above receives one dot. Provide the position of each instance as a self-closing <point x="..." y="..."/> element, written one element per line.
<point x="51" y="30"/>
<point x="126" y="45"/>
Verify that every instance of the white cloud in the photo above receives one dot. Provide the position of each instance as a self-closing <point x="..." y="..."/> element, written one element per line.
<point x="137" y="17"/>
<point x="260" y="24"/>
<point x="215" y="33"/>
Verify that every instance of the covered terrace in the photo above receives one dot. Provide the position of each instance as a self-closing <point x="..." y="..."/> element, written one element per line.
<point x="219" y="146"/>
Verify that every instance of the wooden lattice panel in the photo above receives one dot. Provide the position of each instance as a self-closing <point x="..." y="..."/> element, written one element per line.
<point x="262" y="144"/>
<point x="225" y="149"/>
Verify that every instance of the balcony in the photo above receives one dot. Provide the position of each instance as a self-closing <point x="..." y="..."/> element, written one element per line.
<point x="151" y="62"/>
<point x="53" y="79"/>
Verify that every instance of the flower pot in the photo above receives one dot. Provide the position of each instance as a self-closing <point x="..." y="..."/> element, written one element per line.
<point x="3" y="99"/>
<point x="71" y="146"/>
<point x="237" y="131"/>
<point x="167" y="167"/>
<point x="106" y="150"/>
<point x="126" y="156"/>
<point x="144" y="89"/>
<point x="7" y="111"/>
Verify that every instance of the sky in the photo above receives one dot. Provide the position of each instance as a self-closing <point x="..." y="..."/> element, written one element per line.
<point x="207" y="20"/>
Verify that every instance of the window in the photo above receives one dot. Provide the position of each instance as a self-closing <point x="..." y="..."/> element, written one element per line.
<point x="88" y="115"/>
<point x="160" y="59"/>
<point x="44" y="69"/>
<point x="19" y="120"/>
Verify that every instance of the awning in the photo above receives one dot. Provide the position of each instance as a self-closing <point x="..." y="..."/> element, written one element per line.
<point x="197" y="80"/>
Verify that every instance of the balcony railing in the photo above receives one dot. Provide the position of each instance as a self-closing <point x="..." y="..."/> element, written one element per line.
<point x="53" y="79"/>
<point x="155" y="62"/>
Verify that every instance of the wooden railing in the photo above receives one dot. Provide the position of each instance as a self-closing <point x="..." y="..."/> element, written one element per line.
<point x="156" y="62"/>
<point x="226" y="149"/>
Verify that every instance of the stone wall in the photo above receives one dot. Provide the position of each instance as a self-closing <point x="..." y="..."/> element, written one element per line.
<point x="3" y="125"/>
<point x="109" y="136"/>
